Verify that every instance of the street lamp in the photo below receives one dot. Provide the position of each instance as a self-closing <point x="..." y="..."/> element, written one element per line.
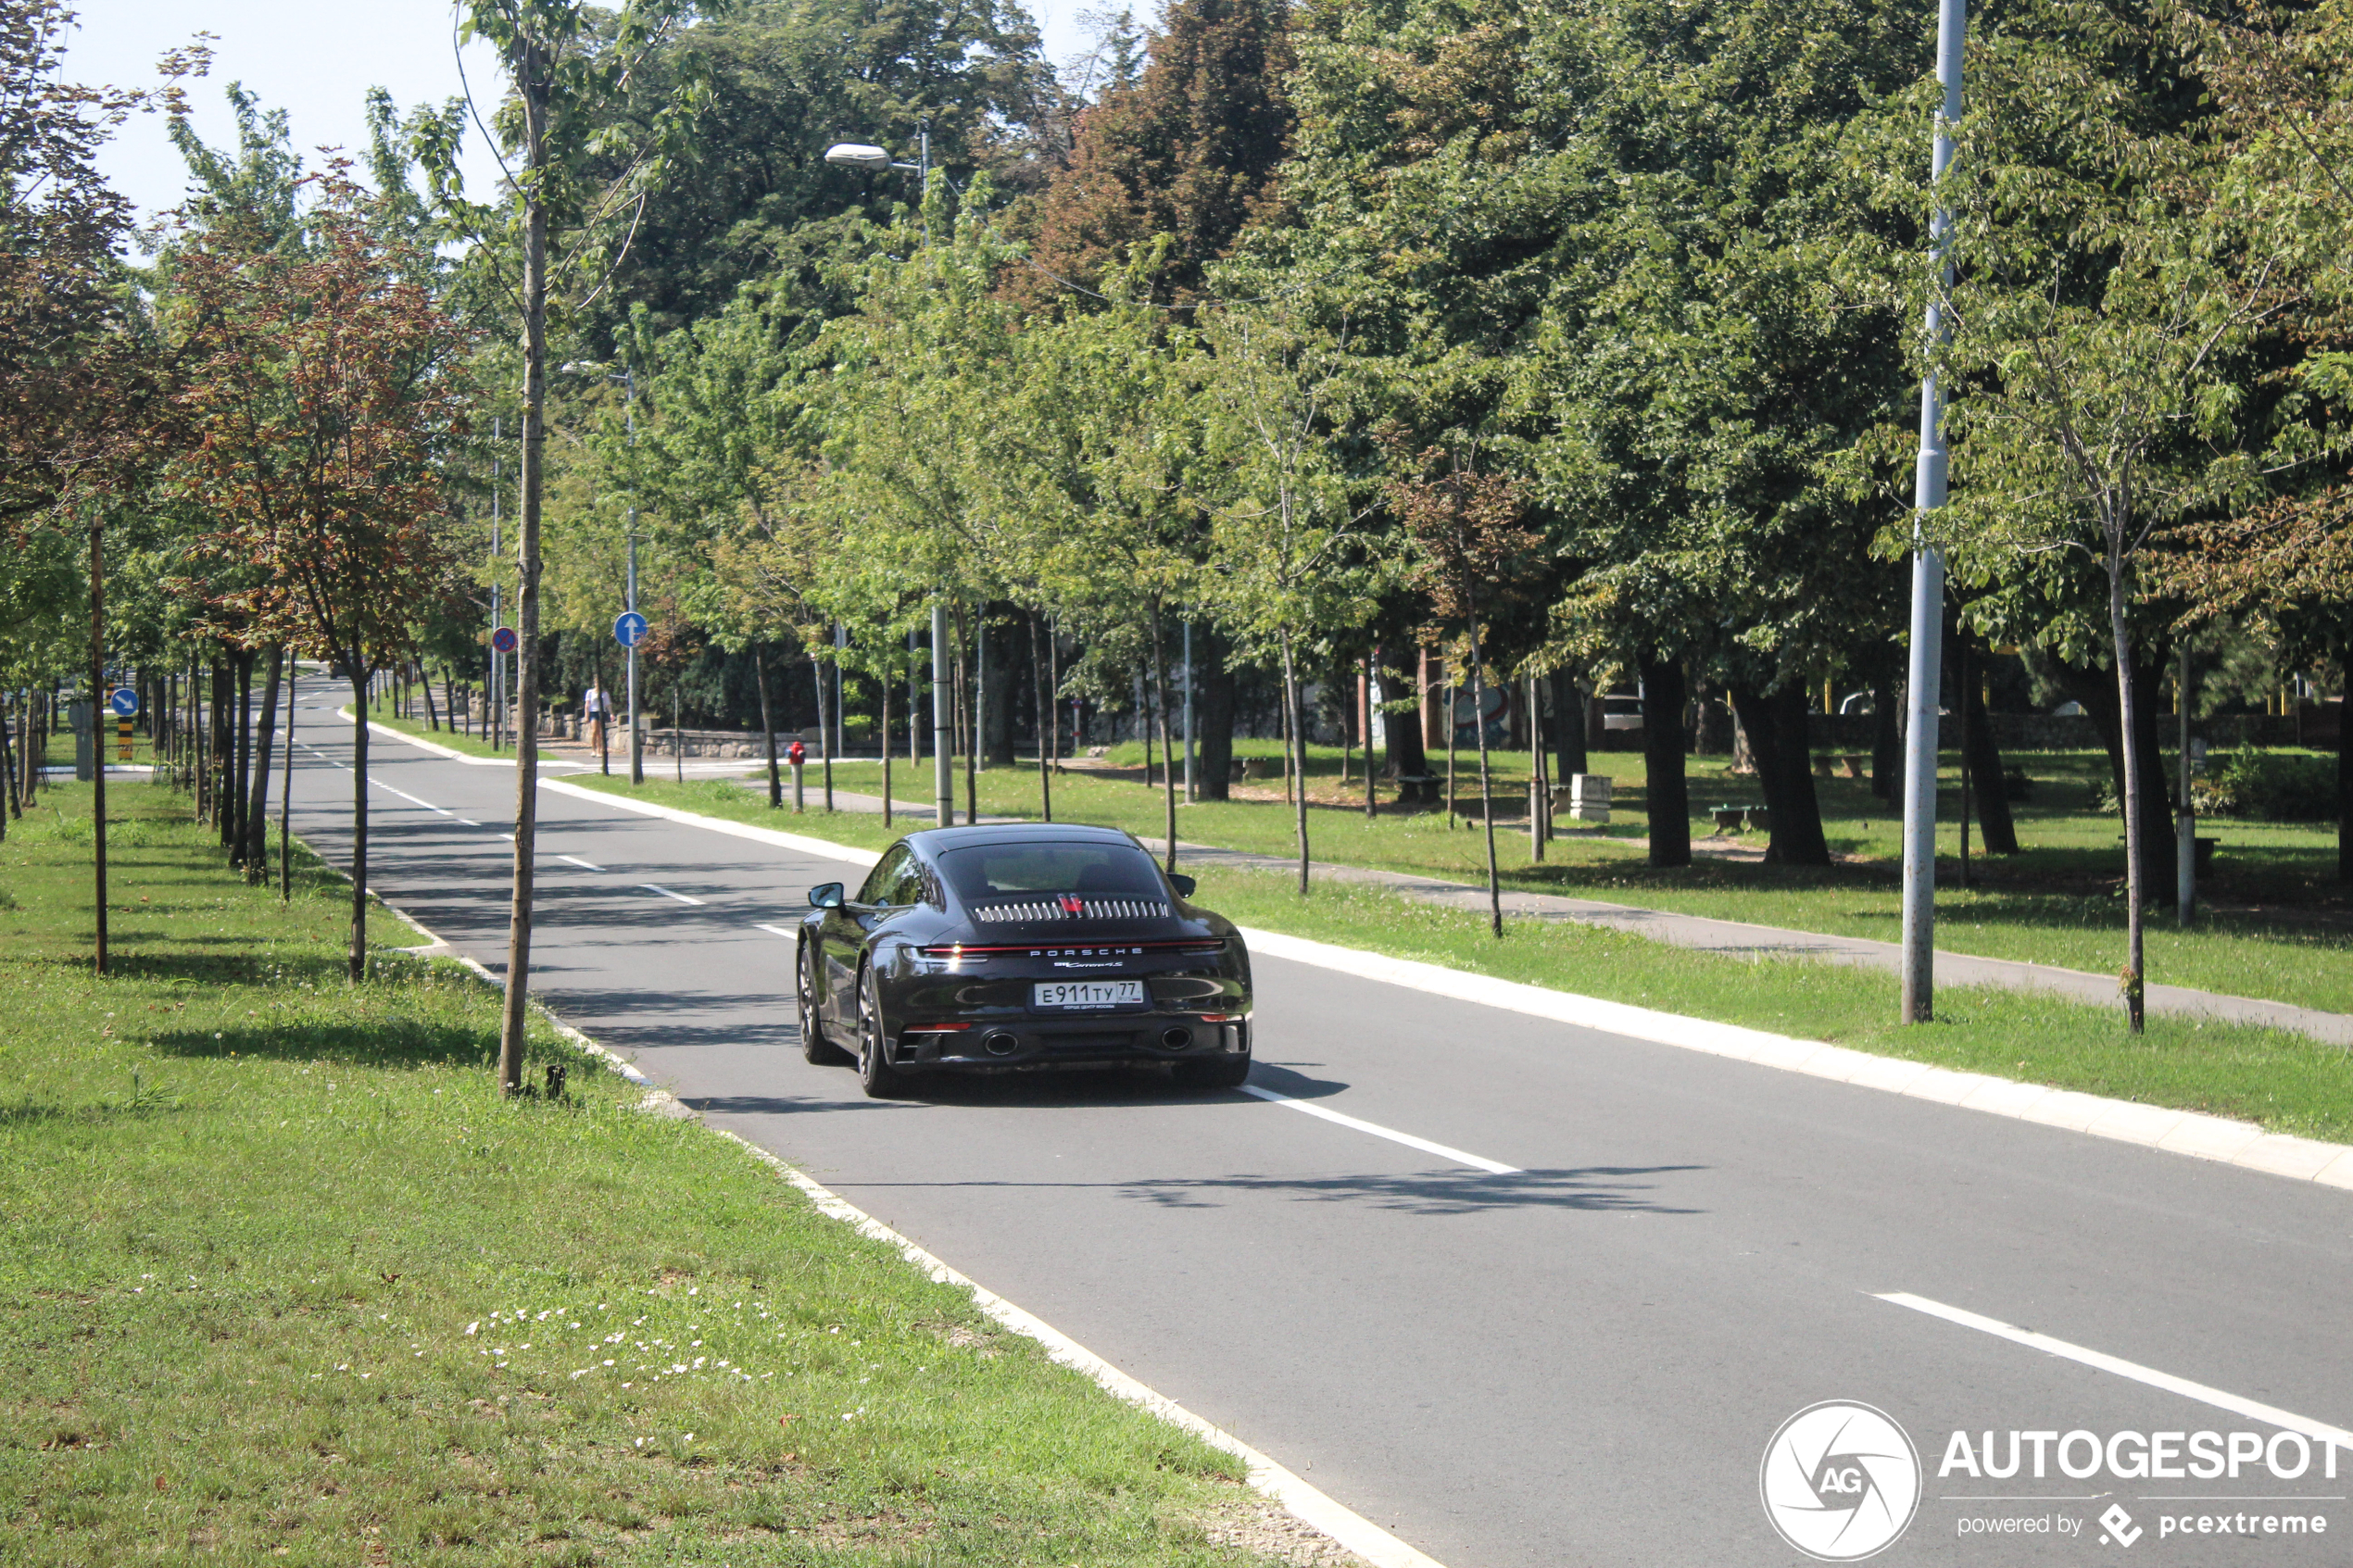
<point x="628" y="380"/>
<point x="877" y="161"/>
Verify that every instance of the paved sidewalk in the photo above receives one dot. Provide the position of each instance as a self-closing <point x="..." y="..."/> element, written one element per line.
<point x="1741" y="939"/>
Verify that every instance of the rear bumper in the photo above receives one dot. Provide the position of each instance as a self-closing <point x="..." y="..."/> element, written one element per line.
<point x="1097" y="1040"/>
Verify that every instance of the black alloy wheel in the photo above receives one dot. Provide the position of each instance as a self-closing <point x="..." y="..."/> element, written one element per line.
<point x="881" y="1080"/>
<point x="814" y="1046"/>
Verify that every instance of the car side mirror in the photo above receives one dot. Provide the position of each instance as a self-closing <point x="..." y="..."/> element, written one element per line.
<point x="825" y="896"/>
<point x="1182" y="884"/>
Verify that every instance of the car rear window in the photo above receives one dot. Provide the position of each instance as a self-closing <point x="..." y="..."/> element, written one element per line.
<point x="990" y="871"/>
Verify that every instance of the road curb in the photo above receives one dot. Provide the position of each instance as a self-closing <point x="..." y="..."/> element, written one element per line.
<point x="2190" y="1133"/>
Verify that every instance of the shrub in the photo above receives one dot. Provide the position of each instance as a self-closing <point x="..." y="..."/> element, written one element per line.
<point x="2270" y="787"/>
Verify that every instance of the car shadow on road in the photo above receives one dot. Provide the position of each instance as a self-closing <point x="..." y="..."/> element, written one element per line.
<point x="1623" y="1189"/>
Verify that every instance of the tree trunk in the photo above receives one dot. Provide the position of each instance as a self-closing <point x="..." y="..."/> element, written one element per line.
<point x="532" y="76"/>
<point x="1711" y="735"/>
<point x="1666" y="793"/>
<point x="1167" y="758"/>
<point x="884" y="720"/>
<point x="97" y="700"/>
<point x="223" y="751"/>
<point x="767" y="729"/>
<point x="433" y="714"/>
<point x="2098" y="694"/>
<point x="1044" y="703"/>
<point x="1887" y="737"/>
<point x="2345" y="769"/>
<point x="1775" y="725"/>
<point x="257" y="804"/>
<point x="1295" y="759"/>
<point x="12" y="805"/>
<point x="824" y="733"/>
<point x="1372" y="775"/>
<point x="286" y="792"/>
<point x="1984" y="762"/>
<point x="241" y="784"/>
<point x="2135" y="889"/>
<point x="1213" y="714"/>
<point x="359" y="959"/>
<point x="1568" y="728"/>
<point x="1486" y="775"/>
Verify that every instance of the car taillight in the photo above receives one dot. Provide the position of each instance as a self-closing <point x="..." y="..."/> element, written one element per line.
<point x="1221" y="1018"/>
<point x="934" y="1028"/>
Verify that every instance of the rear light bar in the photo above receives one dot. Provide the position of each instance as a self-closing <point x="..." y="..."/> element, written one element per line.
<point x="1221" y="1018"/>
<point x="1187" y="944"/>
<point x="934" y="1028"/>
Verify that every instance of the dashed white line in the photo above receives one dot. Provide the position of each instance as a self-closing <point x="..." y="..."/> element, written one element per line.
<point x="1492" y="1167"/>
<point x="2335" y="1437"/>
<point x="409" y="797"/>
<point x="581" y="863"/>
<point x="469" y="821"/>
<point x="667" y="893"/>
<point x="779" y="931"/>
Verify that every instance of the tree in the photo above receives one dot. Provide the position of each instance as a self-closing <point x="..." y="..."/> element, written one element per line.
<point x="570" y="68"/>
<point x="324" y="388"/>
<point x="83" y="384"/>
<point x="1279" y="570"/>
<point x="1188" y="152"/>
<point x="2104" y="323"/>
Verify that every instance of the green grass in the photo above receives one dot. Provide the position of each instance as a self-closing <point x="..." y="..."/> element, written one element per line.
<point x="2284" y="1081"/>
<point x="285" y="1280"/>
<point x="2275" y="925"/>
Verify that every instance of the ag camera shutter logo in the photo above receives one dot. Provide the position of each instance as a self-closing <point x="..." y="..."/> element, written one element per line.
<point x="1840" y="1481"/>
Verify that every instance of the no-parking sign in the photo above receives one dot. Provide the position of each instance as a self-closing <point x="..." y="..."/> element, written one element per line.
<point x="504" y="640"/>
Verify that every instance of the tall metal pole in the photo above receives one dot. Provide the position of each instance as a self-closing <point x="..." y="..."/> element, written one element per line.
<point x="636" y="741"/>
<point x="841" y="737"/>
<point x="1927" y="673"/>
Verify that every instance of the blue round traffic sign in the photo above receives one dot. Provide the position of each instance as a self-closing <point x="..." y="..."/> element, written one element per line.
<point x="629" y="628"/>
<point x="504" y="640"/>
<point x="125" y="701"/>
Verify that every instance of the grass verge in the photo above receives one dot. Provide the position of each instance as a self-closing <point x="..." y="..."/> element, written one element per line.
<point x="2284" y="1081"/>
<point x="285" y="1280"/>
<point x="382" y="712"/>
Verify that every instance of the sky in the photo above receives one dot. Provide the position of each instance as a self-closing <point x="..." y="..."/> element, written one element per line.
<point x="316" y="62"/>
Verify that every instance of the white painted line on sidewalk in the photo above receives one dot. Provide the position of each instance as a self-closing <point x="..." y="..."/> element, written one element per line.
<point x="2192" y="1132"/>
<point x="581" y="863"/>
<point x="667" y="893"/>
<point x="2253" y="1409"/>
<point x="1342" y="1523"/>
<point x="779" y="930"/>
<point x="1492" y="1167"/>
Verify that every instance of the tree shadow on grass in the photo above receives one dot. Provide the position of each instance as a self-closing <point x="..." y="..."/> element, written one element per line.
<point x="387" y="1043"/>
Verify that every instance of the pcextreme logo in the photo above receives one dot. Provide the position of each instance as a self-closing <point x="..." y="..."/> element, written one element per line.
<point x="1840" y="1481"/>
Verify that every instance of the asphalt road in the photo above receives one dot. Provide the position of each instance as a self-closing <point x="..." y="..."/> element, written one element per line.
<point x="1581" y="1361"/>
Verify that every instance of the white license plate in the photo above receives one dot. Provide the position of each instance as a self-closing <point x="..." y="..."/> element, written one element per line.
<point x="1088" y="994"/>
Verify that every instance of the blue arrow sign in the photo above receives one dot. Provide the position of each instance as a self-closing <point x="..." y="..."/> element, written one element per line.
<point x="629" y="628"/>
<point x="504" y="640"/>
<point x="125" y="701"/>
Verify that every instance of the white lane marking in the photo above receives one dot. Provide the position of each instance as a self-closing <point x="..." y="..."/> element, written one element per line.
<point x="667" y="893"/>
<point x="2221" y="1399"/>
<point x="581" y="863"/>
<point x="1494" y="1167"/>
<point x="469" y="821"/>
<point x="409" y="797"/>
<point x="779" y="931"/>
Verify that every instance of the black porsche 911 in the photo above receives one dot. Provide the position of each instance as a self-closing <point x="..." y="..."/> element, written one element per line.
<point x="1023" y="947"/>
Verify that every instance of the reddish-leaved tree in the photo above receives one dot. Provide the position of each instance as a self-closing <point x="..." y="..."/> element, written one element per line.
<point x="325" y="385"/>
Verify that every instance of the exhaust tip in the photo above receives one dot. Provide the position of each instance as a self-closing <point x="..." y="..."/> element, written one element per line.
<point x="999" y="1043"/>
<point x="1176" y="1039"/>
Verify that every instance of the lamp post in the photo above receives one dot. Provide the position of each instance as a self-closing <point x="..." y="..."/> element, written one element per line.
<point x="627" y="377"/>
<point x="1926" y="676"/>
<point x="877" y="161"/>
